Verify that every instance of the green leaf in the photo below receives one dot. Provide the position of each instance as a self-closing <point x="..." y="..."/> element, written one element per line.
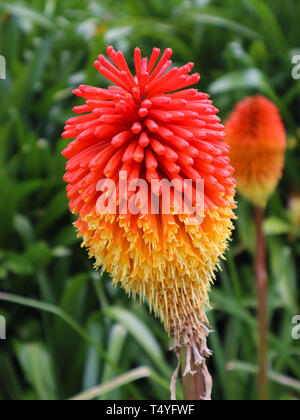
<point x="115" y="348"/>
<point x="52" y="309"/>
<point x="230" y="306"/>
<point x="39" y="254"/>
<point x="140" y="332"/>
<point x="28" y="80"/>
<point x="221" y="22"/>
<point x="116" y="383"/>
<point x="9" y="376"/>
<point x="24" y="228"/>
<point x="57" y="208"/>
<point x="270" y="28"/>
<point x="27" y="12"/>
<point x="61" y="252"/>
<point x="25" y="189"/>
<point x="72" y="302"/>
<point x="66" y="237"/>
<point x="273" y="376"/>
<point x="276" y="226"/>
<point x="251" y="78"/>
<point x="8" y="205"/>
<point x="17" y="264"/>
<point x="246" y="228"/>
<point x="37" y="367"/>
<point x="93" y="362"/>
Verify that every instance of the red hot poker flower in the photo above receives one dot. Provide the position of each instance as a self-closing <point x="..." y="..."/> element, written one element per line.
<point x="151" y="127"/>
<point x="257" y="140"/>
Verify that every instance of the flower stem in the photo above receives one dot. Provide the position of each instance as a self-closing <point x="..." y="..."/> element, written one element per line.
<point x="262" y="293"/>
<point x="199" y="385"/>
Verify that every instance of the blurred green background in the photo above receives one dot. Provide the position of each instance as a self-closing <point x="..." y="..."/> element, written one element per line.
<point x="68" y="330"/>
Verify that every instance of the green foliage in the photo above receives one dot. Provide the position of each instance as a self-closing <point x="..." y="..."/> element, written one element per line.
<point x="76" y="331"/>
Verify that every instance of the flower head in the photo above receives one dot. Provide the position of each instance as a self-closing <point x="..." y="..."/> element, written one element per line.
<point x="257" y="140"/>
<point x="149" y="127"/>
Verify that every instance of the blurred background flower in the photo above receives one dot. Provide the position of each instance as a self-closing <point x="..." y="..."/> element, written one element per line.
<point x="257" y="140"/>
<point x="241" y="48"/>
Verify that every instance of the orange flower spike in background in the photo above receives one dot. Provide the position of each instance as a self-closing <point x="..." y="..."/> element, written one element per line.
<point x="257" y="140"/>
<point x="257" y="137"/>
<point x="152" y="127"/>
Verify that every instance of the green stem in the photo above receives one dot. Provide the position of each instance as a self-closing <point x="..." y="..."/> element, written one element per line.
<point x="262" y="293"/>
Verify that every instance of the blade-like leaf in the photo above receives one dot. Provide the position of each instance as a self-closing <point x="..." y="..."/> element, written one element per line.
<point x="116" y="383"/>
<point x="141" y="333"/>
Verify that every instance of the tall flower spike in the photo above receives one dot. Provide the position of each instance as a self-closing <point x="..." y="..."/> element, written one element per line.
<point x="257" y="138"/>
<point x="256" y="135"/>
<point x="151" y="127"/>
